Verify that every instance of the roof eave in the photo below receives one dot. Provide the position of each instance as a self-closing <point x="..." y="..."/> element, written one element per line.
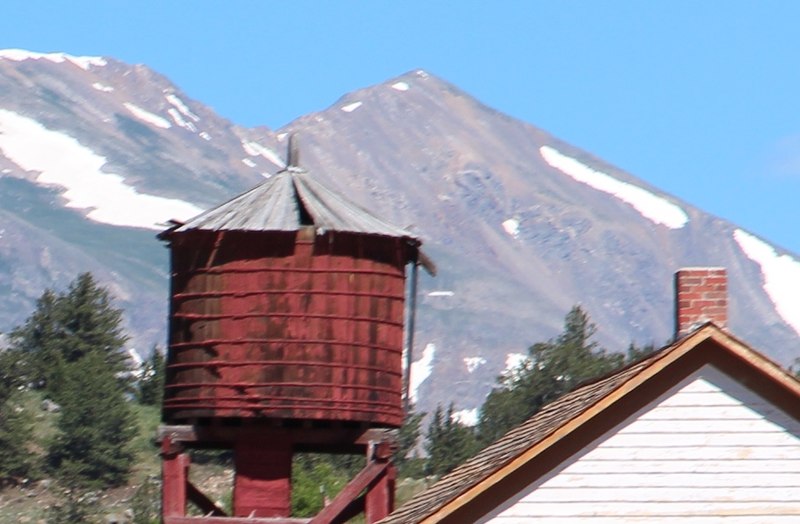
<point x="730" y="346"/>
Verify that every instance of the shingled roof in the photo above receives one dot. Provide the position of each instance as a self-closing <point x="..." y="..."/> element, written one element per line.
<point x="576" y="410"/>
<point x="288" y="201"/>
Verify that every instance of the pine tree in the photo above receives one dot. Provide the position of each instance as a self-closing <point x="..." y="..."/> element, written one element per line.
<point x="95" y="427"/>
<point x="67" y="326"/>
<point x="448" y="442"/>
<point x="150" y="388"/>
<point x="551" y="369"/>
<point x="71" y="347"/>
<point x="89" y="324"/>
<point x="38" y="341"/>
<point x="16" y="458"/>
<point x="405" y="458"/>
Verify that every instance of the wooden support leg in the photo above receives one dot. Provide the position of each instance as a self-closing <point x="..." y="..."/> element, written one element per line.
<point x="262" y="487"/>
<point x="174" y="475"/>
<point x="380" y="493"/>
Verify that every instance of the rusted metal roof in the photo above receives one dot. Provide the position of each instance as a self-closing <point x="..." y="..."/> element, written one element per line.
<point x="289" y="201"/>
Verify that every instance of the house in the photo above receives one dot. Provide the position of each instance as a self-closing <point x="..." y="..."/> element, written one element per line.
<point x="705" y="430"/>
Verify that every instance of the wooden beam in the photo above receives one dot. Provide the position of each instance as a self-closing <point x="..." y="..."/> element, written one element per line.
<point x="233" y="520"/>
<point x="350" y="492"/>
<point x="225" y="436"/>
<point x="174" y="474"/>
<point x="205" y="504"/>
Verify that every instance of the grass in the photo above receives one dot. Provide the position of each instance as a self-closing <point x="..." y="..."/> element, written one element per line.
<point x="32" y="500"/>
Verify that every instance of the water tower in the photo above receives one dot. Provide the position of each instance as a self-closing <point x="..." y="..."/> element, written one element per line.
<point x="285" y="334"/>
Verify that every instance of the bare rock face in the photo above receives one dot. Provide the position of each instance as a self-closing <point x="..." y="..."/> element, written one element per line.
<point x="94" y="153"/>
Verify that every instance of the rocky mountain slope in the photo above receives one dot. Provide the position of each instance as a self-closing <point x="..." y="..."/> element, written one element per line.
<point x="94" y="153"/>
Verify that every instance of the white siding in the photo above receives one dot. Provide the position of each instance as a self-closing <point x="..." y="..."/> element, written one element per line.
<point x="708" y="451"/>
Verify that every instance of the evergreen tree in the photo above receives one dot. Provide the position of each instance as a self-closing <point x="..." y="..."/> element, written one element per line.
<point x="551" y="369"/>
<point x="150" y="388"/>
<point x="72" y="348"/>
<point x="38" y="341"/>
<point x="448" y="443"/>
<point x="636" y="353"/>
<point x="95" y="427"/>
<point x="66" y="327"/>
<point x="405" y="458"/>
<point x="16" y="458"/>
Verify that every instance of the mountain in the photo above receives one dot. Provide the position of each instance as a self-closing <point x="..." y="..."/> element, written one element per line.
<point x="94" y="153"/>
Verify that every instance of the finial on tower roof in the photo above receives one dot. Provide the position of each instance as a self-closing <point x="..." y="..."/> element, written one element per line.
<point x="293" y="154"/>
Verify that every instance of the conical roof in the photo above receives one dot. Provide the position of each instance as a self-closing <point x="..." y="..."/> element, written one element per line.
<point x="289" y="201"/>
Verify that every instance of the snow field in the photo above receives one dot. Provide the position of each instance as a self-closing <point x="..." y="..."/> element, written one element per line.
<point x="349" y="108"/>
<point x="78" y="170"/>
<point x="781" y="276"/>
<point x="511" y="227"/>
<point x="255" y="149"/>
<point x="420" y="371"/>
<point x="84" y="62"/>
<point x="147" y="116"/>
<point x="653" y="207"/>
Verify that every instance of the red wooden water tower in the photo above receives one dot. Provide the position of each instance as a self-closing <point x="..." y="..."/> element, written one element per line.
<point x="286" y="335"/>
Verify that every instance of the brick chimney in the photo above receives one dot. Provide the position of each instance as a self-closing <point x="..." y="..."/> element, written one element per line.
<point x="701" y="295"/>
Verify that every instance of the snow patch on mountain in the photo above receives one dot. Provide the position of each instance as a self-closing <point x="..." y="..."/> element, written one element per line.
<point x="205" y="136"/>
<point x="180" y="106"/>
<point x="256" y="149"/>
<point x="349" y="108"/>
<point x="781" y="276"/>
<point x="653" y="207"/>
<point x="179" y="120"/>
<point x="467" y="417"/>
<point x="401" y="86"/>
<point x="135" y="358"/>
<point x="512" y="227"/>
<point x="78" y="170"/>
<point x="84" y="62"/>
<point x="420" y="370"/>
<point x="147" y="116"/>
<point x="513" y="361"/>
<point x="102" y="87"/>
<point x="473" y="363"/>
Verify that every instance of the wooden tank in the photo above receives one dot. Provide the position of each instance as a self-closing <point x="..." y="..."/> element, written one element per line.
<point x="287" y="304"/>
<point x="290" y="325"/>
<point x="286" y="328"/>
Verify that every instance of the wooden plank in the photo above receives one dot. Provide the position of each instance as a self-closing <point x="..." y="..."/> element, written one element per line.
<point x="710" y="413"/>
<point x="174" y="475"/>
<point x="205" y="504"/>
<point x="233" y="520"/>
<point x="658" y="479"/>
<point x="651" y="519"/>
<point x="701" y="385"/>
<point x="647" y="510"/>
<point x="707" y="453"/>
<point x="588" y="466"/>
<point x="224" y="435"/>
<point x="711" y="438"/>
<point x="701" y="426"/>
<point x="350" y="492"/>
<point x="657" y="495"/>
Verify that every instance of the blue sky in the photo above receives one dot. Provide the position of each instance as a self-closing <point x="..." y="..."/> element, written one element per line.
<point x="700" y="99"/>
